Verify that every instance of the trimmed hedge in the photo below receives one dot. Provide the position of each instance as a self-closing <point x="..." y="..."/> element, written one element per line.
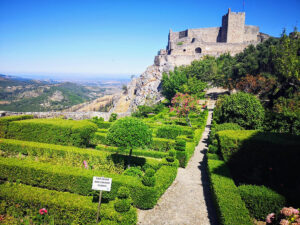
<point x="230" y="141"/>
<point x="98" y="138"/>
<point x="230" y="207"/>
<point x="172" y="131"/>
<point x="102" y="130"/>
<point x="79" y="181"/>
<point x="162" y="144"/>
<point x="66" y="208"/>
<point x="53" y="131"/>
<point x="4" y="121"/>
<point x="262" y="158"/>
<point x="260" y="200"/>
<point x="72" y="154"/>
<point x="135" y="152"/>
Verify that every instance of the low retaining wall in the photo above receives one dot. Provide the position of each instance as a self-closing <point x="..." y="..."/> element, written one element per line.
<point x="67" y="115"/>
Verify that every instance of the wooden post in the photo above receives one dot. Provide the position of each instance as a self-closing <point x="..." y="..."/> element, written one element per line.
<point x="98" y="212"/>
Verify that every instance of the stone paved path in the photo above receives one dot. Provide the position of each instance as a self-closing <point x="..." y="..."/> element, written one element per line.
<point x="187" y="201"/>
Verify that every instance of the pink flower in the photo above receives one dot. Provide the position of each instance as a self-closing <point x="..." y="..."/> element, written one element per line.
<point x="85" y="164"/>
<point x="288" y="211"/>
<point x="270" y="217"/>
<point x="284" y="222"/>
<point x="43" y="211"/>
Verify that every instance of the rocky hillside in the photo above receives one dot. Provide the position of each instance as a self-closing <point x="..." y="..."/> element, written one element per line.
<point x="26" y="95"/>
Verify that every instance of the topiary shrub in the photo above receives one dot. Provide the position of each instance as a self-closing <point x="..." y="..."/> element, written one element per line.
<point x="180" y="145"/>
<point x="123" y="201"/>
<point x="260" y="200"/>
<point x="134" y="172"/>
<point x="241" y="108"/>
<point x="169" y="132"/>
<point x="113" y="117"/>
<point x="149" y="179"/>
<point x="129" y="132"/>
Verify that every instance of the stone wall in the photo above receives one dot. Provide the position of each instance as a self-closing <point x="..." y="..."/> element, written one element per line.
<point x="66" y="115"/>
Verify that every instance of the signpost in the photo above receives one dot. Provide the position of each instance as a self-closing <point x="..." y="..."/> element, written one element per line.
<point x="101" y="184"/>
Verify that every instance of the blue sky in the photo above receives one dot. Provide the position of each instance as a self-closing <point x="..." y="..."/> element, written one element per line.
<point x="114" y="38"/>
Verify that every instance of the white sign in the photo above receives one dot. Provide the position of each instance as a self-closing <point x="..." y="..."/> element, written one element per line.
<point x="101" y="183"/>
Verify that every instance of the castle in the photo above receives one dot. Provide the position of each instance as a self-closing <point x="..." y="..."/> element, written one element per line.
<point x="192" y="44"/>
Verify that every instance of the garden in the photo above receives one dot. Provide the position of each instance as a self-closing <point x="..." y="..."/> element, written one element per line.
<point x="47" y="165"/>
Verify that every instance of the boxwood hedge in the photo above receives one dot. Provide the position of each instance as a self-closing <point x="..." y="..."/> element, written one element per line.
<point x="230" y="207"/>
<point x="66" y="208"/>
<point x="261" y="200"/>
<point x="79" y="181"/>
<point x="54" y="131"/>
<point x="4" y="121"/>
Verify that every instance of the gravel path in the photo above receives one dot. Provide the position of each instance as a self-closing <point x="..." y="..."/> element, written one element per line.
<point x="187" y="201"/>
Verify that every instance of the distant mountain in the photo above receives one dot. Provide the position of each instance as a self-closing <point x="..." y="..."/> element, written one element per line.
<point x="27" y="95"/>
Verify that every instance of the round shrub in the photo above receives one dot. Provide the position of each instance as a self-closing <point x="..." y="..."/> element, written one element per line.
<point x="133" y="171"/>
<point x="149" y="172"/>
<point x="123" y="193"/>
<point x="260" y="200"/>
<point x="241" y="108"/>
<point x="122" y="205"/>
<point x="129" y="132"/>
<point x="148" y="181"/>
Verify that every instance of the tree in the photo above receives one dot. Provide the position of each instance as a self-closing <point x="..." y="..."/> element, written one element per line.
<point x="183" y="104"/>
<point x="129" y="132"/>
<point x="241" y="108"/>
<point x="173" y="83"/>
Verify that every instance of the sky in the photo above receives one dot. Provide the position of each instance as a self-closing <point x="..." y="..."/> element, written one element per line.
<point x="114" y="38"/>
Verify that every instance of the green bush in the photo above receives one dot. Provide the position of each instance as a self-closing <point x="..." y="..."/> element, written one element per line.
<point x="101" y="123"/>
<point x="122" y="205"/>
<point x="136" y="152"/>
<point x="230" y="207"/>
<point x="4" y="121"/>
<point x="98" y="138"/>
<point x="224" y="126"/>
<point x="260" y="200"/>
<point x="212" y="156"/>
<point x="113" y="117"/>
<point x="133" y="171"/>
<point x="149" y="172"/>
<point x="180" y="145"/>
<point x="162" y="144"/>
<point x="123" y="193"/>
<point x="262" y="158"/>
<point x="66" y="208"/>
<point x="172" y="153"/>
<point x="79" y="181"/>
<point x="241" y="108"/>
<point x="169" y="132"/>
<point x="129" y="132"/>
<point x="148" y="181"/>
<point x="53" y="131"/>
<point x="102" y="130"/>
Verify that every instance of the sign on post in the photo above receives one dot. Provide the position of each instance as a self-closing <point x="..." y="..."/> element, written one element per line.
<point x="101" y="184"/>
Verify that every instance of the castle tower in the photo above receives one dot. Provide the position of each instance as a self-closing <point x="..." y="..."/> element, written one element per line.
<point x="233" y="27"/>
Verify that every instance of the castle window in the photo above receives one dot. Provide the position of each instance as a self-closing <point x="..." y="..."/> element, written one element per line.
<point x="198" y="50"/>
<point x="193" y="40"/>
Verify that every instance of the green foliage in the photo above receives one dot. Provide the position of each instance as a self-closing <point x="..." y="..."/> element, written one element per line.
<point x="101" y="123"/>
<point x="4" y="121"/>
<point x="241" y="108"/>
<point x="122" y="205"/>
<point x="169" y="132"/>
<point x="162" y="144"/>
<point x="260" y="201"/>
<point x="113" y="117"/>
<point x="98" y="138"/>
<point x="148" y="181"/>
<point x="149" y="172"/>
<point x="180" y="145"/>
<point x="138" y="152"/>
<point x="66" y="208"/>
<point x="263" y="158"/>
<point x="212" y="156"/>
<point x="173" y="83"/>
<point x="144" y="110"/>
<point x="54" y="131"/>
<point x="129" y="132"/>
<point x="123" y="193"/>
<point x="230" y="207"/>
<point x="180" y="43"/>
<point x="134" y="172"/>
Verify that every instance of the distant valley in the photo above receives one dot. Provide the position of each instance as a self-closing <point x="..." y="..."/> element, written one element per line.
<point x="28" y="95"/>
